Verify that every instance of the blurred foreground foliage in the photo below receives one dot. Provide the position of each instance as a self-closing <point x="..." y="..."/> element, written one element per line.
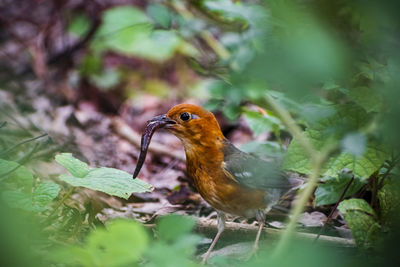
<point x="333" y="65"/>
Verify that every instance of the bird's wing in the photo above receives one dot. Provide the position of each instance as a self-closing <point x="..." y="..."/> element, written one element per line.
<point x="251" y="171"/>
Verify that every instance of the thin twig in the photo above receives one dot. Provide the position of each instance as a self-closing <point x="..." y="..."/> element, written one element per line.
<point x="21" y="143"/>
<point x="21" y="161"/>
<point x="334" y="208"/>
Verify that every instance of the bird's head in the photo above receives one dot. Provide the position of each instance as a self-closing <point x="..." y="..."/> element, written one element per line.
<point x="192" y="124"/>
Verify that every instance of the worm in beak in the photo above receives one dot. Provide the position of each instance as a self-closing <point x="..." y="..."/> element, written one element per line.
<point x="152" y="125"/>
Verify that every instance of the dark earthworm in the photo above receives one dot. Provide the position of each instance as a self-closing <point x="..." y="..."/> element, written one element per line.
<point x="151" y="127"/>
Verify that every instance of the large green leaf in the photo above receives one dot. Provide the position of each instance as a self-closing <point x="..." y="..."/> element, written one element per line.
<point x="330" y="191"/>
<point x="76" y="167"/>
<point x="43" y="195"/>
<point x="361" y="219"/>
<point x="348" y="119"/>
<point x="108" y="180"/>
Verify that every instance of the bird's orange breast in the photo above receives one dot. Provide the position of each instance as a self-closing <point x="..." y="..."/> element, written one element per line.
<point x="223" y="193"/>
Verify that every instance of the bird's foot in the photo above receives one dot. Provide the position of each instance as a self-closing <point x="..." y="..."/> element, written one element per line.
<point x="253" y="252"/>
<point x="205" y="257"/>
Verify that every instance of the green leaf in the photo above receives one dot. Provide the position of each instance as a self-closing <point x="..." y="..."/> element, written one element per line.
<point x="360" y="217"/>
<point x="107" y="79"/>
<point x="122" y="243"/>
<point x="349" y="118"/>
<point x="260" y="123"/>
<point x="373" y="158"/>
<point x="173" y="227"/>
<point x="18" y="200"/>
<point x="356" y="204"/>
<point x="367" y="98"/>
<point x="160" y="14"/>
<point x="38" y="201"/>
<point x="17" y="174"/>
<point x="43" y="195"/>
<point x="120" y="18"/>
<point x="128" y="30"/>
<point x="79" y="25"/>
<point x="389" y="200"/>
<point x="76" y="167"/>
<point x="354" y="143"/>
<point x="330" y="191"/>
<point x="263" y="149"/>
<point x="108" y="180"/>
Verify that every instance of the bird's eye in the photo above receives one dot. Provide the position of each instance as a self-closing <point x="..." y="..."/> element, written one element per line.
<point x="185" y="116"/>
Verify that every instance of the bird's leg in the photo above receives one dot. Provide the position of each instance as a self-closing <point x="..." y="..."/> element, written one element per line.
<point x="260" y="216"/>
<point x="221" y="226"/>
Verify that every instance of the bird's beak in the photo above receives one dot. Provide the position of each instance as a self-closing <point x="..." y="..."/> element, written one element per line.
<point x="161" y="121"/>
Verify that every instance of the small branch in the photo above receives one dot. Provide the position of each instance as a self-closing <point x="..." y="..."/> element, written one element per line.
<point x="21" y="161"/>
<point x="335" y="207"/>
<point x="208" y="227"/>
<point x="21" y="143"/>
<point x="125" y="131"/>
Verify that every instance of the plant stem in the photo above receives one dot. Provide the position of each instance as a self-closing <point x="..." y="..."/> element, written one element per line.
<point x="67" y="195"/>
<point x="290" y="123"/>
<point x="317" y="160"/>
<point x="298" y="209"/>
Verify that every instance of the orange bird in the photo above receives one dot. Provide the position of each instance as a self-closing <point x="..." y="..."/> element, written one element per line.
<point x="230" y="180"/>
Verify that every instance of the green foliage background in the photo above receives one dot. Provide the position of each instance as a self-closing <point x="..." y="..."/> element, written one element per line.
<point x="334" y="65"/>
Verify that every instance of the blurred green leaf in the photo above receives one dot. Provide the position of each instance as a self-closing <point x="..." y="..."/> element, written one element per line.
<point x="121" y="244"/>
<point x="389" y="200"/>
<point x="160" y="14"/>
<point x="119" y="18"/>
<point x="354" y="143"/>
<point x="176" y="244"/>
<point x="129" y="31"/>
<point x="38" y="201"/>
<point x="108" y="180"/>
<point x="21" y="176"/>
<point x="107" y="79"/>
<point x="79" y="25"/>
<point x="18" y="200"/>
<point x="263" y="149"/>
<point x="367" y="98"/>
<point x="333" y="187"/>
<point x="329" y="132"/>
<point x="173" y="227"/>
<point x="260" y="123"/>
<point x="76" y="167"/>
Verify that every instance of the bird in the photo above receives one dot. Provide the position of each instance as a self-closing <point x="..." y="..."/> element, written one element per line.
<point x="230" y="180"/>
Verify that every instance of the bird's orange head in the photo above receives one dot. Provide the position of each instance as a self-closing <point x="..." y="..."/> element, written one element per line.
<point x="195" y="126"/>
